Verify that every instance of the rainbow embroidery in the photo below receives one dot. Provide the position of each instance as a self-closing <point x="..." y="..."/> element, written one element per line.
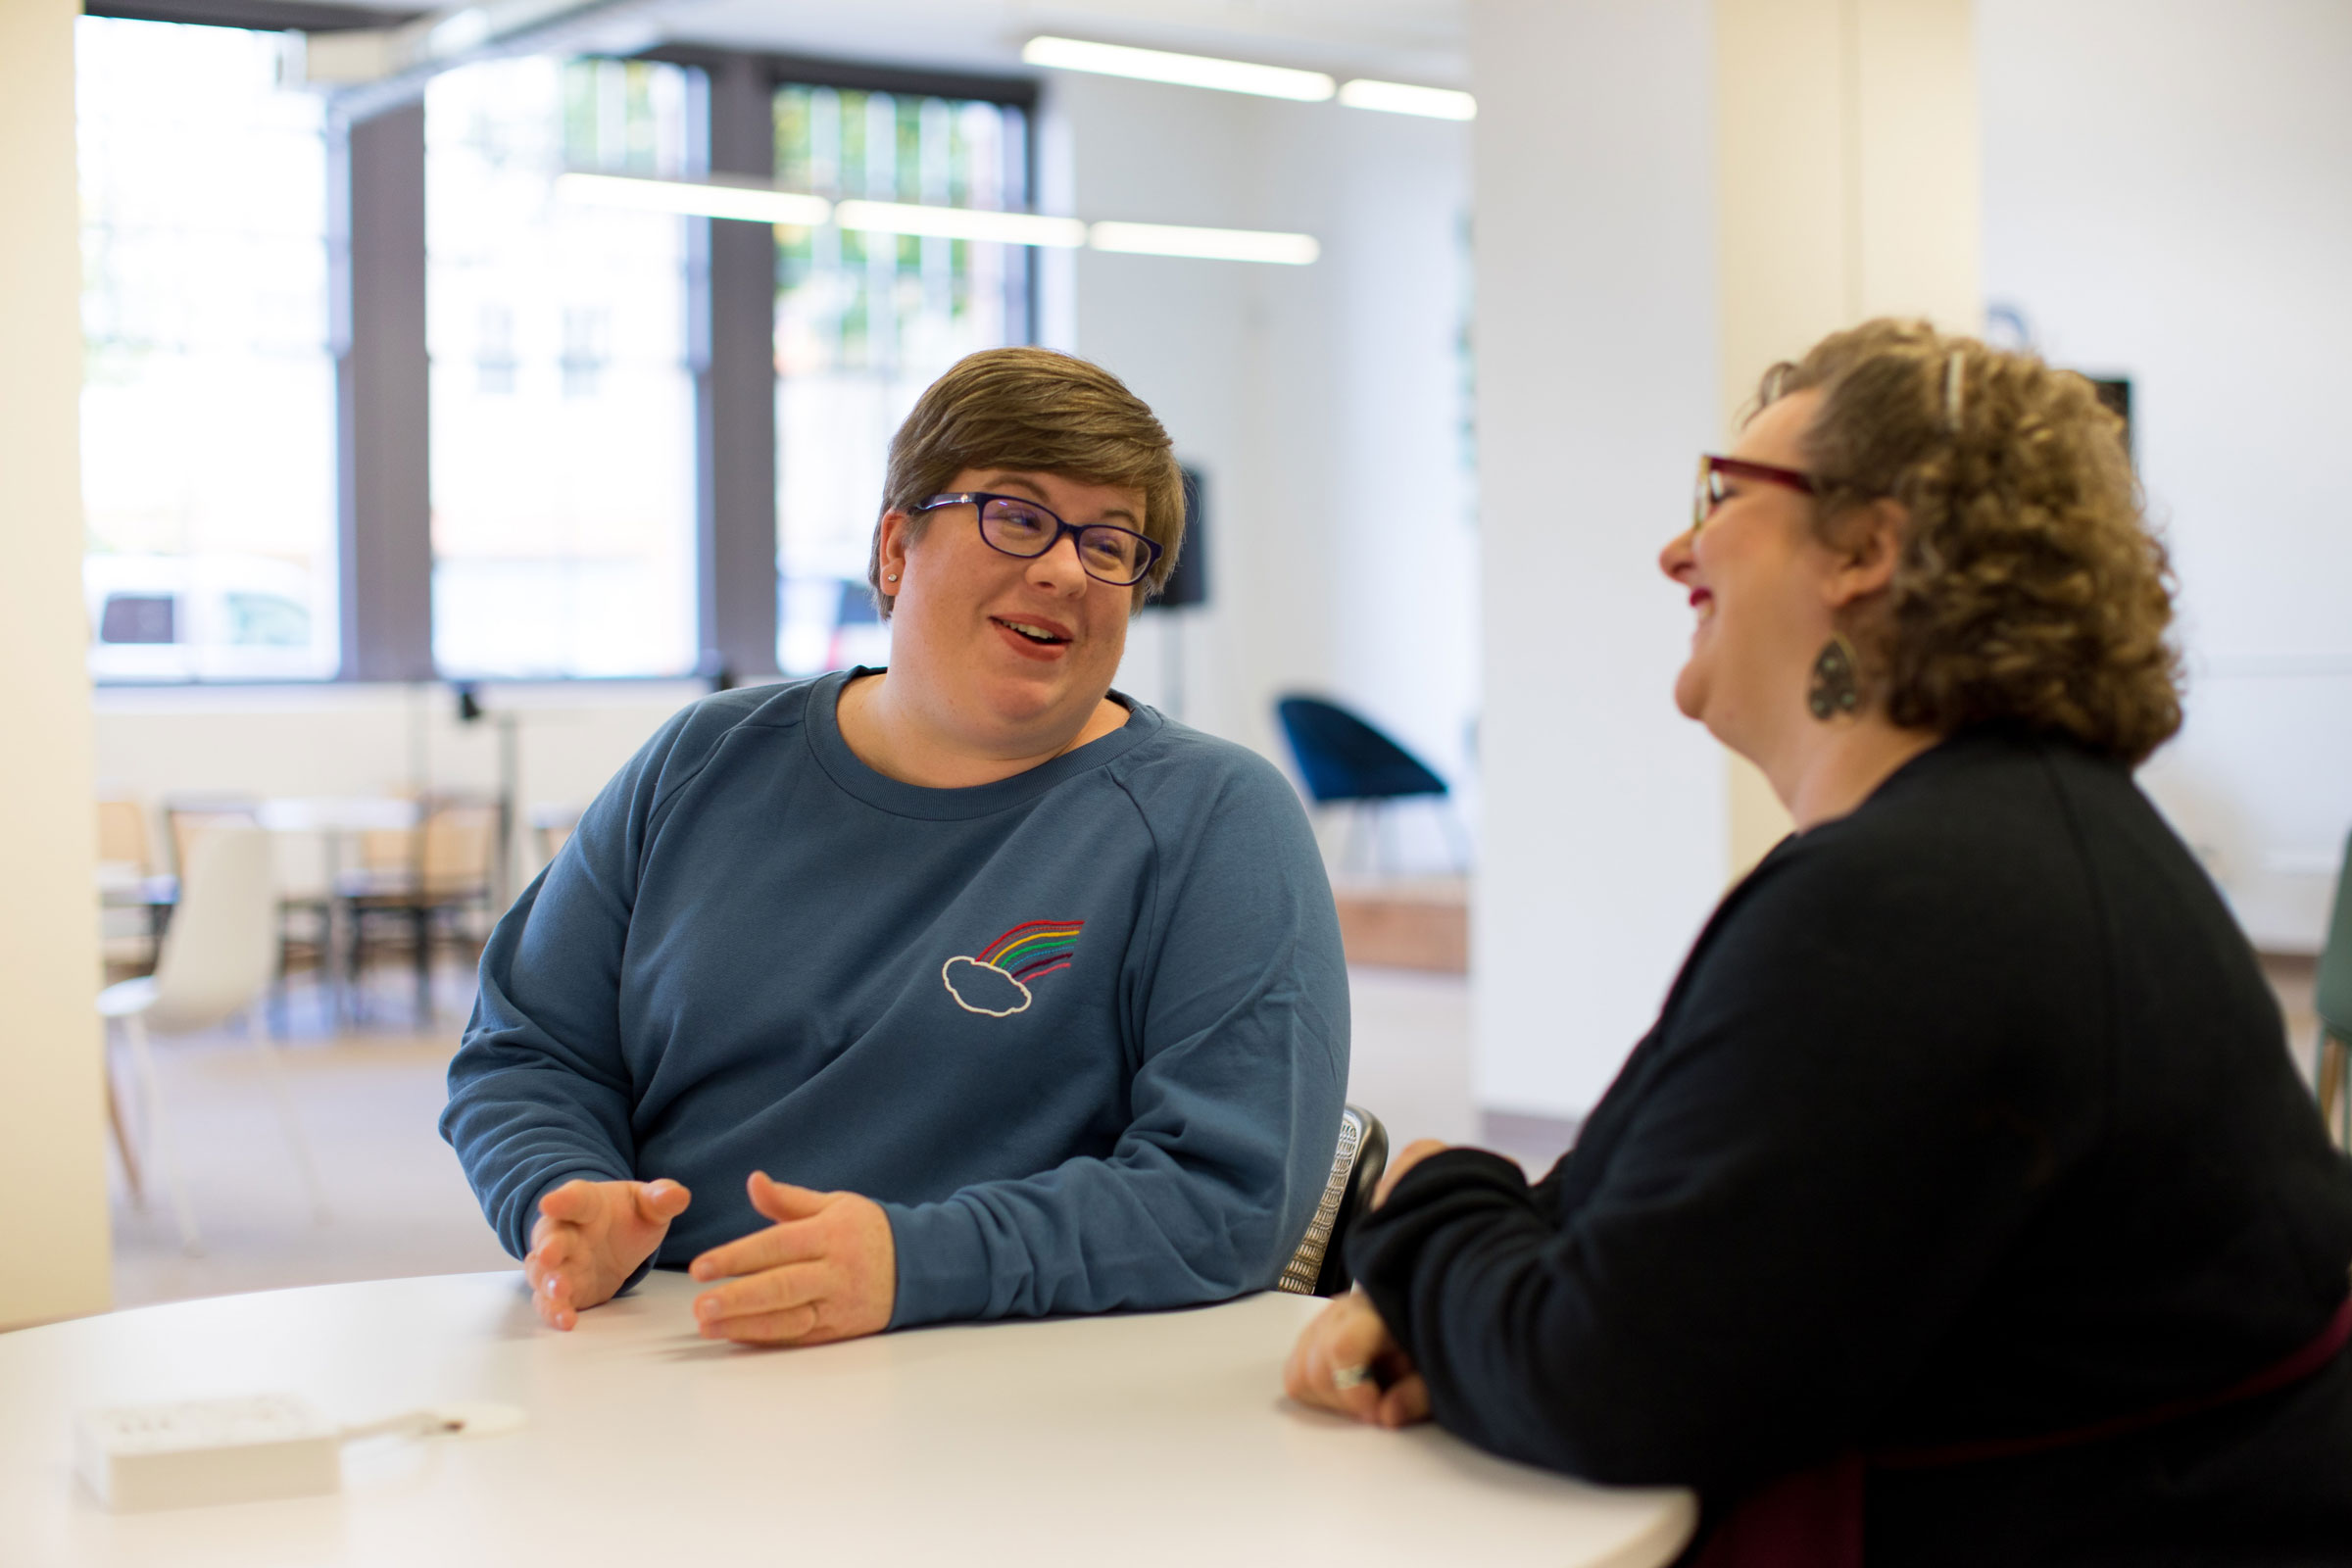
<point x="1033" y="947"/>
<point x="995" y="981"/>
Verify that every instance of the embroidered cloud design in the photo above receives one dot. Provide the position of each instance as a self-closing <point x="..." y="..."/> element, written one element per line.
<point x="995" y="982"/>
<point x="983" y="988"/>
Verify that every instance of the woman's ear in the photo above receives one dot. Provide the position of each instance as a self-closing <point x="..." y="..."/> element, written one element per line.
<point x="1874" y="544"/>
<point x="890" y="549"/>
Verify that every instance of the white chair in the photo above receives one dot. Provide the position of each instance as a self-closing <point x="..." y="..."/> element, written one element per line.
<point x="219" y="955"/>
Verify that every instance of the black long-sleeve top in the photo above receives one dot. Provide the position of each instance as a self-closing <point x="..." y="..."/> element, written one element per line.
<point x="1967" y="1117"/>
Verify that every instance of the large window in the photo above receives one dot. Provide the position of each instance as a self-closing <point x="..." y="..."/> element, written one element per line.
<point x="562" y="400"/>
<point x="865" y="321"/>
<point x="209" y="390"/>
<point x="575" y="444"/>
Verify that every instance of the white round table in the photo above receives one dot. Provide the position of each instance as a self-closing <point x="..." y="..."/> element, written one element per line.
<point x="1159" y="1437"/>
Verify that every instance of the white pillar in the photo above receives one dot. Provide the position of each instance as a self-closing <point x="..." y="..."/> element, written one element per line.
<point x="1671" y="194"/>
<point x="52" y="1153"/>
<point x="1846" y="142"/>
<point x="1603" y="832"/>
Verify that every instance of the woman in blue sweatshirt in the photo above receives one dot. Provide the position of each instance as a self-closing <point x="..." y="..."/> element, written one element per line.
<point x="1030" y="999"/>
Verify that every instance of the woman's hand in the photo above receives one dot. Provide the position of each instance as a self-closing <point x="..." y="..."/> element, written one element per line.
<point x="590" y="1237"/>
<point x="827" y="1269"/>
<point x="1411" y="1154"/>
<point x="1347" y="1361"/>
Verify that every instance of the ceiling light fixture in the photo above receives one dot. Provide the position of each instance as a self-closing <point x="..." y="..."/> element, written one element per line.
<point x="1185" y="71"/>
<point x="960" y="222"/>
<point x="1207" y="244"/>
<point x="748" y="203"/>
<point x="755" y="204"/>
<point x="1398" y="98"/>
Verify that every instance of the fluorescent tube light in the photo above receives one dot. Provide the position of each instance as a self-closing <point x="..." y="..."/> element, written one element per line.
<point x="1185" y="71"/>
<point x="756" y="203"/>
<point x="1396" y="98"/>
<point x="749" y="203"/>
<point x="459" y="31"/>
<point x="960" y="222"/>
<point x="1207" y="244"/>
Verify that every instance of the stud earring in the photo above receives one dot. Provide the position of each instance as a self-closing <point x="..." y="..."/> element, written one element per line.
<point x="893" y="577"/>
<point x="1836" y="686"/>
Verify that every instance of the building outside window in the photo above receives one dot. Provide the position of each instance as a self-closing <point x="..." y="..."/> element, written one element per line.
<point x="865" y="321"/>
<point x="208" y="406"/>
<point x="563" y="399"/>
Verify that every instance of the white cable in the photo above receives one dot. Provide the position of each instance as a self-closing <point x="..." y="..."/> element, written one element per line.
<point x="408" y="1424"/>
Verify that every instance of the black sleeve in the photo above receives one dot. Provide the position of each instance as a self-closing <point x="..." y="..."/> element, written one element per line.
<point x="1803" y="1178"/>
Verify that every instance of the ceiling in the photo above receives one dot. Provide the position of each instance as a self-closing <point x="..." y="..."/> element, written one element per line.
<point x="1414" y="40"/>
<point x="1403" y="41"/>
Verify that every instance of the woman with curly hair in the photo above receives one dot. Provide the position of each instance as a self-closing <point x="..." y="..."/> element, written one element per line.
<point x="1963" y="1206"/>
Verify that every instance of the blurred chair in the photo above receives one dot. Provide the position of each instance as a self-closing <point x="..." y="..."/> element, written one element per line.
<point x="1345" y="761"/>
<point x="2333" y="1004"/>
<point x="218" y="959"/>
<point x="303" y="920"/>
<point x="128" y="881"/>
<point x="443" y="874"/>
<point x="187" y="818"/>
<point x="1319" y="1267"/>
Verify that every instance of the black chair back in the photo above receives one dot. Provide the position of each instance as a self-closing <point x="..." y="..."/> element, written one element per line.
<point x="1318" y="1266"/>
<point x="1371" y="1162"/>
<point x="1344" y="758"/>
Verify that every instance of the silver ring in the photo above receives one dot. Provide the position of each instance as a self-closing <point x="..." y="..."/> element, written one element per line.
<point x="1350" y="1377"/>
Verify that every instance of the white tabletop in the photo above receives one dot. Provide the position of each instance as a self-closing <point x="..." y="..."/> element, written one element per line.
<point x="336" y="814"/>
<point x="1157" y="1437"/>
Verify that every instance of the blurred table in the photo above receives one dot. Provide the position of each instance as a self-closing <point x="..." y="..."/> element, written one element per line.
<point x="1154" y="1438"/>
<point x="336" y="816"/>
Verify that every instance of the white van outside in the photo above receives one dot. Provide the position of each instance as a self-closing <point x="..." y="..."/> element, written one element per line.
<point x="206" y="617"/>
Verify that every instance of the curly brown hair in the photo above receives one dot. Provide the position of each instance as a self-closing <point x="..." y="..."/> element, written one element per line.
<point x="1046" y="412"/>
<point x="2028" y="588"/>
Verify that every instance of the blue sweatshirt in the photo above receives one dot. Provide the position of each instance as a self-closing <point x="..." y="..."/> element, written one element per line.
<point x="1082" y="1032"/>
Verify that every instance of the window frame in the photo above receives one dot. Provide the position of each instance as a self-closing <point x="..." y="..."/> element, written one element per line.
<point x="376" y="335"/>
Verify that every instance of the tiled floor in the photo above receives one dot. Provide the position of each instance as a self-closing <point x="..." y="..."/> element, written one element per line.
<point x="367" y="1100"/>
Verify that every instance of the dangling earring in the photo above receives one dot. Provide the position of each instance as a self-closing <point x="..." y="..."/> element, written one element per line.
<point x="1836" y="686"/>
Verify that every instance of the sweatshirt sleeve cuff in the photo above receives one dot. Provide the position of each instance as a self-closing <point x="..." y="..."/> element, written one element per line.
<point x="1384" y="1251"/>
<point x="942" y="1263"/>
<point x="1457" y="1168"/>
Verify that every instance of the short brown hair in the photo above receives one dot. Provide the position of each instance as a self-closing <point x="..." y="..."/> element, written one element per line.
<point x="2028" y="588"/>
<point x="1048" y="413"/>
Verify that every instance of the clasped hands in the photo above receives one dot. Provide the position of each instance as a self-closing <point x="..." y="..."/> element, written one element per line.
<point x="827" y="1269"/>
<point x="1347" y="1361"/>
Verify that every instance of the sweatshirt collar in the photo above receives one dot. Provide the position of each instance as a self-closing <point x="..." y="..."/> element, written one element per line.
<point x="841" y="764"/>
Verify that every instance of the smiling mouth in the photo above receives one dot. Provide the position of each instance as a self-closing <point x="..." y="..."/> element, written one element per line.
<point x="1031" y="631"/>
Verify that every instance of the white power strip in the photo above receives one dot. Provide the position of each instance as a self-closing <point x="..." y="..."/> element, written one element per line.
<point x="241" y="1451"/>
<point x="208" y="1450"/>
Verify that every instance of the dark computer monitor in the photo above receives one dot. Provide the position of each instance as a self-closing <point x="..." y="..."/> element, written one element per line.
<point x="2115" y="391"/>
<point x="1187" y="585"/>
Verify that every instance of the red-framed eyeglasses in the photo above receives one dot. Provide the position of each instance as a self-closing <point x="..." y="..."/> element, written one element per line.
<point x="1714" y="469"/>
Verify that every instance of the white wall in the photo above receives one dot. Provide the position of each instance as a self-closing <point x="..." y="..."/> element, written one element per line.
<point x="2168" y="195"/>
<point x="1598" y="384"/>
<point x="1323" y="403"/>
<point x="52" y="1153"/>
